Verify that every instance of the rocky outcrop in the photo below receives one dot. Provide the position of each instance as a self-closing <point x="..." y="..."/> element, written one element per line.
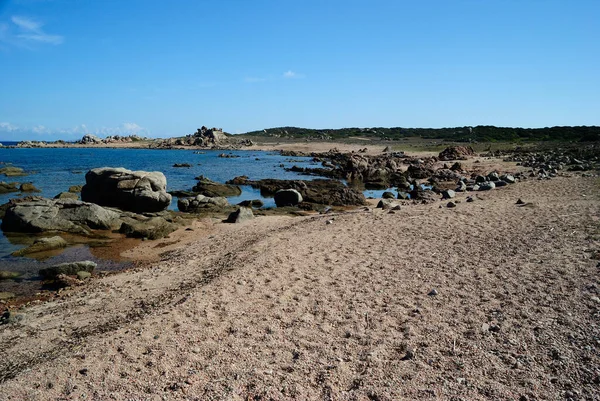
<point x="66" y="195"/>
<point x="210" y="188"/>
<point x="201" y="203"/>
<point x="456" y="153"/>
<point x="90" y="139"/>
<point x="323" y="192"/>
<point x="38" y="214"/>
<point x="135" y="191"/>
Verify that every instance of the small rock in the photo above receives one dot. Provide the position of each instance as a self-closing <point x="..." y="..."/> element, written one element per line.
<point x="433" y="292"/>
<point x="519" y="202"/>
<point x="388" y="195"/>
<point x="451" y="204"/>
<point x="329" y="222"/>
<point x="470" y="199"/>
<point x="449" y="194"/>
<point x="241" y="215"/>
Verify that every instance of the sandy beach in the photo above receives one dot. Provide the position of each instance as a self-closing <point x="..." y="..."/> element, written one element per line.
<point x="488" y="300"/>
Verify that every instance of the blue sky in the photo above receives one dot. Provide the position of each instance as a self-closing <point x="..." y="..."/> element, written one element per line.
<point x="158" y="68"/>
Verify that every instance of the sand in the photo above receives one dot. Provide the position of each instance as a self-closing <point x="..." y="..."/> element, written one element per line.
<point x="337" y="307"/>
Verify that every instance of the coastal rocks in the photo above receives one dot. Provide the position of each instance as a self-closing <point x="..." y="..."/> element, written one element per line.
<point x="182" y="165"/>
<point x="211" y="188"/>
<point x="201" y="203"/>
<point x="287" y="197"/>
<point x="7" y="187"/>
<point x="90" y="139"/>
<point x="150" y="228"/>
<point x="487" y="186"/>
<point x="456" y="153"/>
<point x="11" y="171"/>
<point x="28" y="187"/>
<point x="69" y="269"/>
<point x="323" y="192"/>
<point x="388" y="195"/>
<point x="241" y="215"/>
<point x="419" y="171"/>
<point x="75" y="188"/>
<point x="135" y="191"/>
<point x="42" y="245"/>
<point x="40" y="214"/>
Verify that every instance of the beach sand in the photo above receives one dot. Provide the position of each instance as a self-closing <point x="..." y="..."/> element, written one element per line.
<point x="337" y="307"/>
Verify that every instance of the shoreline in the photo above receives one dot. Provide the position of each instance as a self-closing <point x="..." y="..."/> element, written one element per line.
<point x="250" y="297"/>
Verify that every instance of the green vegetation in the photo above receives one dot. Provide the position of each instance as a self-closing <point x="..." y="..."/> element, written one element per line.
<point x="480" y="133"/>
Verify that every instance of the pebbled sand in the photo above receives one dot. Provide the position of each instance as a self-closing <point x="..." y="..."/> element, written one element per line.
<point x="289" y="308"/>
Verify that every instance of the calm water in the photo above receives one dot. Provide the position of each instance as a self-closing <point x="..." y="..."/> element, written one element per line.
<point x="55" y="170"/>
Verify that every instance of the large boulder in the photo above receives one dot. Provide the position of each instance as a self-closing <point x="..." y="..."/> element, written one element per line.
<point x="38" y="214"/>
<point x="212" y="189"/>
<point x="287" y="197"/>
<point x="135" y="191"/>
<point x="201" y="203"/>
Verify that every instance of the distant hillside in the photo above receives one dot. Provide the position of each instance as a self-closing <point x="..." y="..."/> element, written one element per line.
<point x="480" y="133"/>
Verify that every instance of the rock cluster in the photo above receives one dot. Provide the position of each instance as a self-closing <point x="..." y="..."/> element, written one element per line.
<point x="456" y="153"/>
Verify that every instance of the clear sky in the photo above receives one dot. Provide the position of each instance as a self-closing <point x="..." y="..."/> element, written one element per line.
<point x="165" y="68"/>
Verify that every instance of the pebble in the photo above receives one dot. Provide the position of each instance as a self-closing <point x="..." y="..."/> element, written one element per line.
<point x="329" y="222"/>
<point x="451" y="204"/>
<point x="519" y="202"/>
<point x="433" y="292"/>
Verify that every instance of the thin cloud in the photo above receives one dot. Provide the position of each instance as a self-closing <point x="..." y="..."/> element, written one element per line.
<point x="29" y="31"/>
<point x="289" y="74"/>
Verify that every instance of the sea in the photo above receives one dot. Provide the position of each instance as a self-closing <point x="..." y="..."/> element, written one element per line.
<point x="54" y="170"/>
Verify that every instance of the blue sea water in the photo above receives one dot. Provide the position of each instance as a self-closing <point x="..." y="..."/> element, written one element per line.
<point x="55" y="170"/>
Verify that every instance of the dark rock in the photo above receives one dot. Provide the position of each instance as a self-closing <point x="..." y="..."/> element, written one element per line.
<point x="508" y="178"/>
<point x="403" y="195"/>
<point x="69" y="269"/>
<point x="287" y="197"/>
<point x="461" y="186"/>
<point x="500" y="184"/>
<point x="448" y="194"/>
<point x="135" y="191"/>
<point x="241" y="215"/>
<point x="486" y="186"/>
<point x="388" y="195"/>
<point x="28" y="187"/>
<point x="451" y="204"/>
<point x="470" y="199"/>
<point x="520" y="202"/>
<point x="387" y="204"/>
<point x="493" y="176"/>
<point x="182" y="165"/>
<point x="211" y="188"/>
<point x="456" y="167"/>
<point x="456" y="153"/>
<point x="433" y="292"/>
